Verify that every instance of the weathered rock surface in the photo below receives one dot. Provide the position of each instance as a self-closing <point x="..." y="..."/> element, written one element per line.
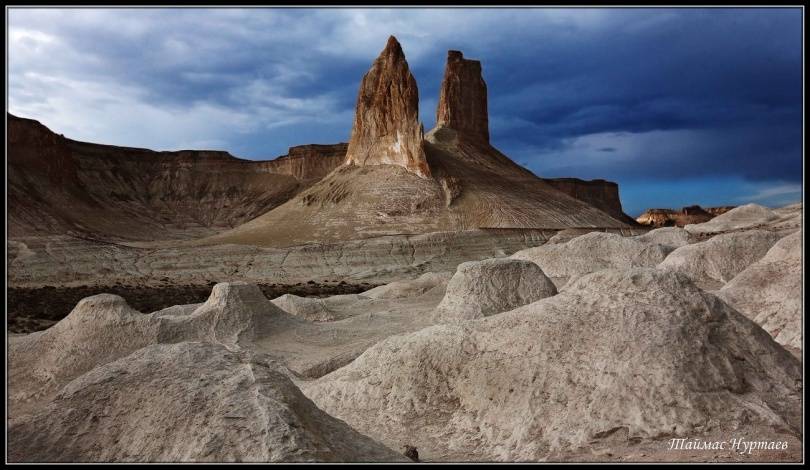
<point x="617" y="355"/>
<point x="769" y="291"/>
<point x="411" y="287"/>
<point x="593" y="252"/>
<point x="716" y="261"/>
<point x="739" y="218"/>
<point x="386" y="128"/>
<point x="103" y="328"/>
<point x="483" y="288"/>
<point x="187" y="402"/>
<point x="330" y="308"/>
<point x="670" y="237"/>
<point x="463" y="98"/>
<point x="312" y="309"/>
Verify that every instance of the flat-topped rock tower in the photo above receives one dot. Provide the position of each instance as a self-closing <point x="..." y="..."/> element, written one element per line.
<point x="463" y="98"/>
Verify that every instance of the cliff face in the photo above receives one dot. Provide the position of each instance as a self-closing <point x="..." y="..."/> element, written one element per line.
<point x="386" y="128"/>
<point x="60" y="186"/>
<point x="309" y="162"/>
<point x="463" y="98"/>
<point x="604" y="195"/>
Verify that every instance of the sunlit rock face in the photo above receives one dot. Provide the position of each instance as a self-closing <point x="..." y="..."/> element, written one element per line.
<point x="386" y="128"/>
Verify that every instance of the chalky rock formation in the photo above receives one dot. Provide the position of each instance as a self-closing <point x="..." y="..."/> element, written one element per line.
<point x="617" y="355"/>
<point x="482" y="288"/>
<point x="103" y="328"/>
<point x="386" y="128"/>
<point x="191" y="401"/>
<point x="410" y="287"/>
<point x="311" y="309"/>
<point x="739" y="218"/>
<point x="670" y="237"/>
<point x="592" y="252"/>
<point x="714" y="262"/>
<point x="463" y="98"/>
<point x="769" y="291"/>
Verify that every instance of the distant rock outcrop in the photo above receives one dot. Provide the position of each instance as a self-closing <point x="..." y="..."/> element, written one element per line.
<point x="463" y="98"/>
<point x="680" y="218"/>
<point x="386" y="128"/>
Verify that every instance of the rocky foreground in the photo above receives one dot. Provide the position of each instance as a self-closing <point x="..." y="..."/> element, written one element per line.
<point x="594" y="346"/>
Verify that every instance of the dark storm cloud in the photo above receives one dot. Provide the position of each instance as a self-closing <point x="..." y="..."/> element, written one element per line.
<point x="625" y="94"/>
<point x="735" y="75"/>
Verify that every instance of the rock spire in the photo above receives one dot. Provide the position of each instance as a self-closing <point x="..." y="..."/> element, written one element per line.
<point x="386" y="126"/>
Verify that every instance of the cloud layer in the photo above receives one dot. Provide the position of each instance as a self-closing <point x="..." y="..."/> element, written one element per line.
<point x="644" y="97"/>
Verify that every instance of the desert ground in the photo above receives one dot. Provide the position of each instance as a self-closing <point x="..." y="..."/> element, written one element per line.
<point x="406" y="291"/>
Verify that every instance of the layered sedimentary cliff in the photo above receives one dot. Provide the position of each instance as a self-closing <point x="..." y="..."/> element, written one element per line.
<point x="386" y="128"/>
<point x="604" y="195"/>
<point x="60" y="186"/>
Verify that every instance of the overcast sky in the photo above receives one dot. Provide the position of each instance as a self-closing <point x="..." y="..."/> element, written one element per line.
<point x="679" y="106"/>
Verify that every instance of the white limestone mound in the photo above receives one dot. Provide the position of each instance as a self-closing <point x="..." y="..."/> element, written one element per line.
<point x="187" y="402"/>
<point x="566" y="235"/>
<point x="742" y="217"/>
<point x="312" y="309"/>
<point x="103" y="328"/>
<point x="592" y="252"/>
<point x="715" y="261"/>
<point x="483" y="288"/>
<point x="669" y="237"/>
<point x="639" y="353"/>
<point x="411" y="287"/>
<point x="770" y="291"/>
